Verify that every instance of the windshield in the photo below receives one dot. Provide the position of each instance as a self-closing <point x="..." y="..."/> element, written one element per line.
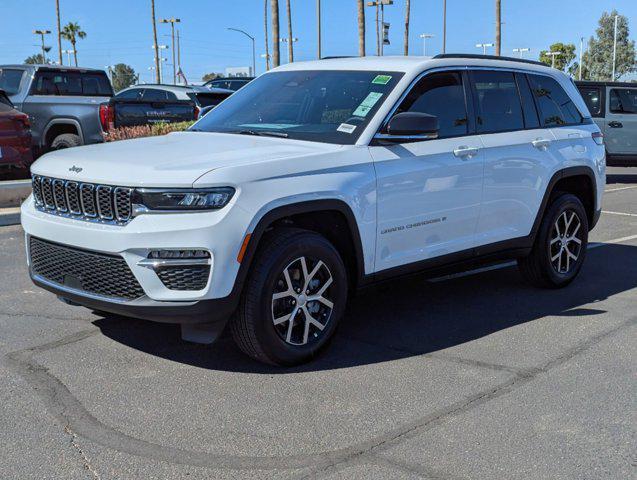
<point x="321" y="106"/>
<point x="10" y="80"/>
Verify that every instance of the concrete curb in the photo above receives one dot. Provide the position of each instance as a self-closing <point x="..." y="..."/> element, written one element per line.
<point x="9" y="216"/>
<point x="13" y="192"/>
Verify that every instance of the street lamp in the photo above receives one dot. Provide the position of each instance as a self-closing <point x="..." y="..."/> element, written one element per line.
<point x="519" y="51"/>
<point x="254" y="64"/>
<point x="68" y="55"/>
<point x="172" y="22"/>
<point x="285" y="40"/>
<point x="614" y="49"/>
<point x="42" y="33"/>
<point x="380" y="4"/>
<point x="158" y="49"/>
<point x="424" y="37"/>
<point x="553" y="55"/>
<point x="484" y="46"/>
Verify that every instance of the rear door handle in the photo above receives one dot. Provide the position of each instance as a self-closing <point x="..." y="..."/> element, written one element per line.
<point x="541" y="143"/>
<point x="465" y="152"/>
<point x="615" y="124"/>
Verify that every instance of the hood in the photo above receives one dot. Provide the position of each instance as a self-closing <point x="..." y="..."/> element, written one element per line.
<point x="174" y="160"/>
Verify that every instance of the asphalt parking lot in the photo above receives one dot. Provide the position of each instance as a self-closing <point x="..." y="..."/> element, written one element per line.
<point x="471" y="377"/>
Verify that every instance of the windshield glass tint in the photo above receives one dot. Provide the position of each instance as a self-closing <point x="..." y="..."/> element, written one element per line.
<point x="10" y="80"/>
<point x="322" y="106"/>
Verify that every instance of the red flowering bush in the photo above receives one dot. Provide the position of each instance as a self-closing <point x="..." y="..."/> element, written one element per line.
<point x="155" y="129"/>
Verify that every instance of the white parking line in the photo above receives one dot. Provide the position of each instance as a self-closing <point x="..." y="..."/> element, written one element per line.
<point x="620" y="213"/>
<point x="619" y="189"/>
<point x="511" y="264"/>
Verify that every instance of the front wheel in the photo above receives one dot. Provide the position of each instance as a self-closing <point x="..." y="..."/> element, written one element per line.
<point x="560" y="245"/>
<point x="293" y="299"/>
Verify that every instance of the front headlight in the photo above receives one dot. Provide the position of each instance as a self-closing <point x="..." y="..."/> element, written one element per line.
<point x="178" y="199"/>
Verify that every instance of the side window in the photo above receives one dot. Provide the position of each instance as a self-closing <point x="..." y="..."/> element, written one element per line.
<point x="154" y="95"/>
<point x="133" y="94"/>
<point x="623" y="100"/>
<point x="498" y="102"/>
<point x="440" y="94"/>
<point x="531" y="119"/>
<point x="10" y="80"/>
<point x="592" y="98"/>
<point x="554" y="105"/>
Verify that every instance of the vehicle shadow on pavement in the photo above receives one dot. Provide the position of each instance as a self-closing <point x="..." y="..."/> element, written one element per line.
<point x="613" y="178"/>
<point x="410" y="316"/>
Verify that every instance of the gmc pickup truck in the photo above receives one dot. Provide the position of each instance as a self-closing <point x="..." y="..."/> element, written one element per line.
<point x="62" y="102"/>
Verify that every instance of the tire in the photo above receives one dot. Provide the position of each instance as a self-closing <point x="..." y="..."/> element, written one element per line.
<point x="66" y="140"/>
<point x="543" y="267"/>
<point x="293" y="341"/>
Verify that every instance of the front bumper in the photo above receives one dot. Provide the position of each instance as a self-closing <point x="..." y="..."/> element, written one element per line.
<point x="133" y="242"/>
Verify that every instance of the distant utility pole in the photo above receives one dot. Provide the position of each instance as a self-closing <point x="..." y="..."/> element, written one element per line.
<point x="498" y="27"/>
<point x="318" y="28"/>
<point x="68" y="55"/>
<point x="484" y="46"/>
<point x="424" y="37"/>
<point x="520" y="51"/>
<point x="178" y="52"/>
<point x="276" y="53"/>
<point x="42" y="33"/>
<point x="155" y="49"/>
<point x="172" y="22"/>
<point x="614" y="49"/>
<point x="158" y="48"/>
<point x="287" y="40"/>
<point x="581" y="57"/>
<point x="254" y="64"/>
<point x="57" y="14"/>
<point x="290" y="37"/>
<point x="444" y="26"/>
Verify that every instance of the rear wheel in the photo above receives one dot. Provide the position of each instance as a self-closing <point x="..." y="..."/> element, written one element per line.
<point x="560" y="245"/>
<point x="293" y="300"/>
<point x="66" y="140"/>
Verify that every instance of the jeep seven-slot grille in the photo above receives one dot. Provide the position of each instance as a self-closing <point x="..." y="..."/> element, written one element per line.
<point x="85" y="270"/>
<point x="83" y="201"/>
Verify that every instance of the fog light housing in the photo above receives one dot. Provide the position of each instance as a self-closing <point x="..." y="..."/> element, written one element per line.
<point x="178" y="254"/>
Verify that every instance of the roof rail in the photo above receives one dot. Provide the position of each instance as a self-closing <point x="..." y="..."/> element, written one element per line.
<point x="489" y="57"/>
<point x="337" y="56"/>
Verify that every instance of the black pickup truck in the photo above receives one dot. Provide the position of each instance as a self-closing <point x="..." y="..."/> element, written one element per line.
<point x="146" y="104"/>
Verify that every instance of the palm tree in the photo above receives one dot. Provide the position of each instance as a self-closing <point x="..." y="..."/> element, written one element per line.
<point x="498" y="27"/>
<point x="57" y="13"/>
<point x="361" y="28"/>
<point x="290" y="39"/>
<point x="72" y="32"/>
<point x="274" y="7"/>
<point x="407" y="8"/>
<point x="155" y="46"/>
<point x="265" y="28"/>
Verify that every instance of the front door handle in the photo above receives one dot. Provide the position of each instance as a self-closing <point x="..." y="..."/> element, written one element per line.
<point x="465" y="152"/>
<point x="541" y="143"/>
<point x="615" y="124"/>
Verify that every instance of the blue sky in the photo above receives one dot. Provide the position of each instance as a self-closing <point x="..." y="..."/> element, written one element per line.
<point x="120" y="30"/>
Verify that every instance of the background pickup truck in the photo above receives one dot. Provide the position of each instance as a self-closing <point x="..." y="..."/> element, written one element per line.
<point x="62" y="102"/>
<point x="145" y="104"/>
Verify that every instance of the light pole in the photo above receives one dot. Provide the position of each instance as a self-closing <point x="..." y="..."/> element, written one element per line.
<point x="520" y="51"/>
<point x="318" y="27"/>
<point x="68" y="55"/>
<point x="614" y="49"/>
<point x="158" y="50"/>
<point x="254" y="65"/>
<point x="553" y="55"/>
<point x="581" y="57"/>
<point x="424" y="37"/>
<point x="380" y="22"/>
<point x="286" y="40"/>
<point x="172" y="22"/>
<point x="484" y="46"/>
<point x="42" y="33"/>
<point x="444" y="26"/>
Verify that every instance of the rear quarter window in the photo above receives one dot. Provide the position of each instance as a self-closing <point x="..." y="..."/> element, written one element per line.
<point x="623" y="100"/>
<point x="555" y="107"/>
<point x="593" y="99"/>
<point x="10" y="79"/>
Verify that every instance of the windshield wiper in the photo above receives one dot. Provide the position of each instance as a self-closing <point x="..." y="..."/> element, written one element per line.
<point x="261" y="133"/>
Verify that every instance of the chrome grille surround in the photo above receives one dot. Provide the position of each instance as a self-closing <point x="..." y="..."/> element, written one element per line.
<point x="82" y="201"/>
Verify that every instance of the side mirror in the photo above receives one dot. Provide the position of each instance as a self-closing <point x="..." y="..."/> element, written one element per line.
<point x="410" y="127"/>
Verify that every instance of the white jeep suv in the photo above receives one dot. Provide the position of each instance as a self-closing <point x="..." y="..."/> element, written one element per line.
<point x="314" y="180"/>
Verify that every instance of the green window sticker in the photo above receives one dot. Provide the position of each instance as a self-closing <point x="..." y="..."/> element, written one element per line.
<point x="367" y="104"/>
<point x="381" y="79"/>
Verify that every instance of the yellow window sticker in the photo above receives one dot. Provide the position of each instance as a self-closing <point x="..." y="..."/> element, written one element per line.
<point x="367" y="104"/>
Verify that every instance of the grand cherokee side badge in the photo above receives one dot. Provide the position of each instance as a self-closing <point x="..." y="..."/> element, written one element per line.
<point x="75" y="169"/>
